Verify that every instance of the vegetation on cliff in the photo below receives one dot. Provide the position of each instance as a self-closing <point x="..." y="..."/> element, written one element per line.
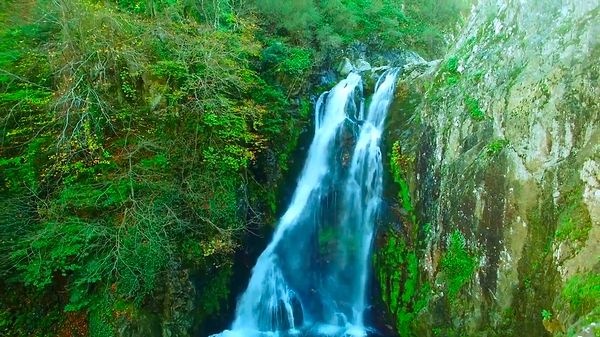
<point x="498" y="156"/>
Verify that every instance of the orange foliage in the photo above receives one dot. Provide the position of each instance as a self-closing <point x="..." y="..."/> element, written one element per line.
<point x="75" y="325"/>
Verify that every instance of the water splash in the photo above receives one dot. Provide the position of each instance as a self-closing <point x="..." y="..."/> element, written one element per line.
<point x="311" y="278"/>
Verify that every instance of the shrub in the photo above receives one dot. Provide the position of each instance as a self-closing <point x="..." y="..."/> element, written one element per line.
<point x="457" y="263"/>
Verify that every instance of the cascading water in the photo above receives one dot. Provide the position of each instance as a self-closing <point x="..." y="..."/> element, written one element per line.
<point x="311" y="278"/>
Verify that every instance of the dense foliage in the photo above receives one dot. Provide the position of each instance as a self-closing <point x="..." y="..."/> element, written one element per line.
<point x="128" y="154"/>
<point x="421" y="25"/>
<point x="141" y="140"/>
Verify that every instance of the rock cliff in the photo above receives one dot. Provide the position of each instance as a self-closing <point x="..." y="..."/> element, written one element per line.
<point x="495" y="229"/>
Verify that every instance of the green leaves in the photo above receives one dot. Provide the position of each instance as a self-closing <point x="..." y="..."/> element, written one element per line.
<point x="56" y="248"/>
<point x="94" y="197"/>
<point x="452" y="64"/>
<point x="286" y="60"/>
<point x="145" y="6"/>
<point x="297" y="17"/>
<point x="170" y="69"/>
<point x="146" y="252"/>
<point x="383" y="24"/>
<point x="297" y="62"/>
<point x="546" y="315"/>
<point x="22" y="172"/>
<point x="129" y="152"/>
<point x="398" y="163"/>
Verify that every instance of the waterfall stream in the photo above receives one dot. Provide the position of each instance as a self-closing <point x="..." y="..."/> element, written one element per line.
<point x="311" y="279"/>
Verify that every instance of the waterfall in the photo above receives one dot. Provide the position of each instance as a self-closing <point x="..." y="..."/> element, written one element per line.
<point x="311" y="279"/>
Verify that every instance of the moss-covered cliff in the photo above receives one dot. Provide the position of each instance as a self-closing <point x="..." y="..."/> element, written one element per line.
<point x="496" y="149"/>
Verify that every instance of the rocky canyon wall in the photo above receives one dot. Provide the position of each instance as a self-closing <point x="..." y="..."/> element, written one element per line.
<point x="494" y="217"/>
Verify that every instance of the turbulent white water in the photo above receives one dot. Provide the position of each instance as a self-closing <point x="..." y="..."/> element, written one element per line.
<point x="311" y="278"/>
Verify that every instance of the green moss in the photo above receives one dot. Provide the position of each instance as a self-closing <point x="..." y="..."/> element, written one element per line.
<point x="447" y="76"/>
<point x="458" y="264"/>
<point x="398" y="274"/>
<point x="582" y="293"/>
<point x="452" y="64"/>
<point x="472" y="106"/>
<point x="397" y="261"/>
<point x="452" y="79"/>
<point x="398" y="162"/>
<point x="573" y="222"/>
<point x="477" y="76"/>
<point x="493" y="148"/>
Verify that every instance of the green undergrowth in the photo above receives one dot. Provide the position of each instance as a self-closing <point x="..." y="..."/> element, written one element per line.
<point x="130" y="151"/>
<point x="581" y="293"/>
<point x="447" y="76"/>
<point x="451" y="71"/>
<point x="381" y="24"/>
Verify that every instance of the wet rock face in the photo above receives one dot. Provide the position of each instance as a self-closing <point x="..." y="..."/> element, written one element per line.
<point x="505" y="151"/>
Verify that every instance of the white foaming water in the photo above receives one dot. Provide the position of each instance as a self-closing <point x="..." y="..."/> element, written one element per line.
<point x="311" y="278"/>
